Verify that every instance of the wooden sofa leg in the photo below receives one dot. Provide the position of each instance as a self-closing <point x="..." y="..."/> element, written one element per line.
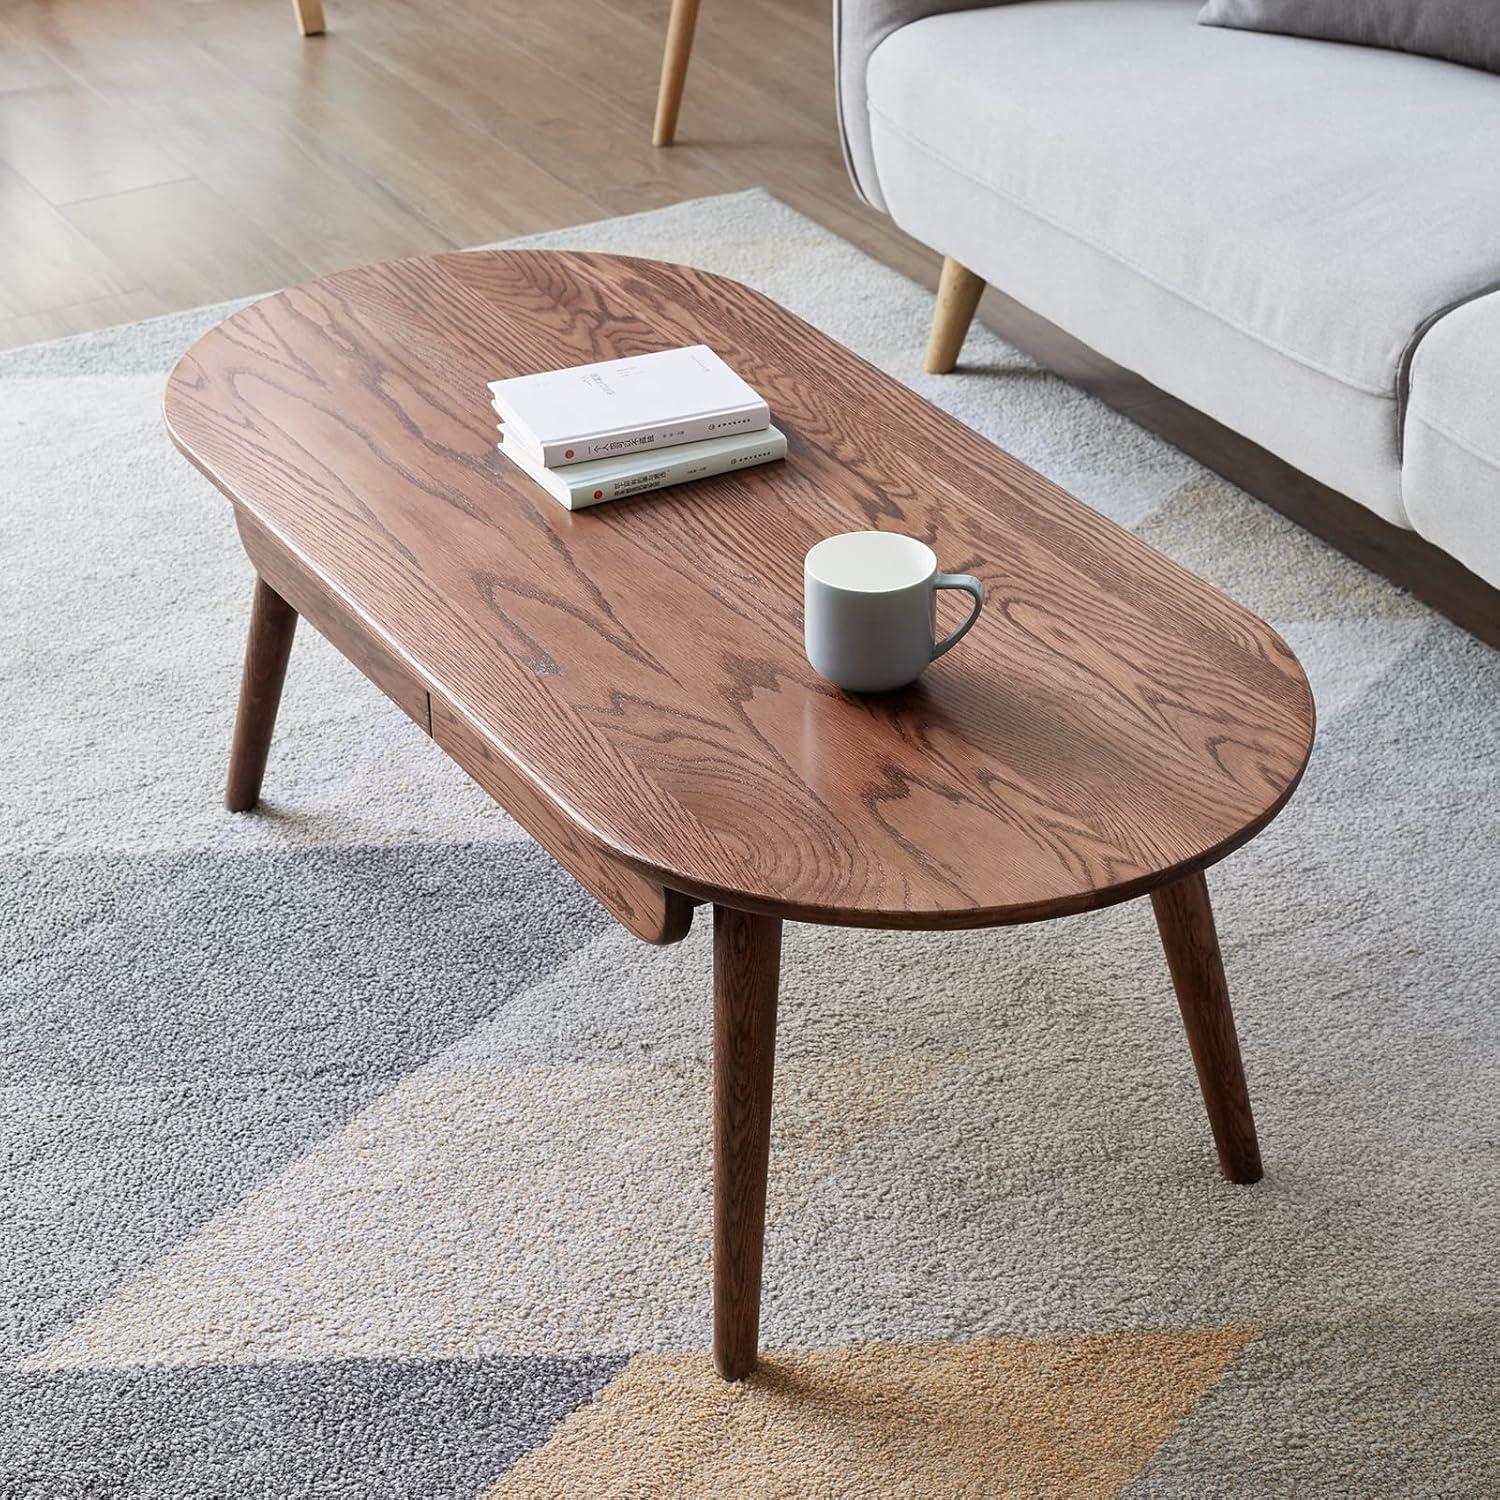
<point x="957" y="297"/>
<point x="674" y="66"/>
<point x="309" y="16"/>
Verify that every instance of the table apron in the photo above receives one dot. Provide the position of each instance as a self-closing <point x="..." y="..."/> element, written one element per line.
<point x="653" y="914"/>
<point x="335" y="621"/>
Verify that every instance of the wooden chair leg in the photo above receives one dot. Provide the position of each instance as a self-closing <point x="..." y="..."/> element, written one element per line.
<point x="958" y="295"/>
<point x="1186" y="922"/>
<point x="747" y="966"/>
<point x="309" y="16"/>
<point x="273" y="622"/>
<point x="674" y="66"/>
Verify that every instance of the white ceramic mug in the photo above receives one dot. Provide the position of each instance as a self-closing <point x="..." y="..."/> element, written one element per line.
<point x="870" y="609"/>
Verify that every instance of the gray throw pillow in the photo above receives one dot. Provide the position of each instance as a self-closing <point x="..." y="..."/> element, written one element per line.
<point x="1461" y="31"/>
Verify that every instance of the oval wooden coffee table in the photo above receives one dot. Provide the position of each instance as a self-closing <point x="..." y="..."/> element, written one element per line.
<point x="629" y="681"/>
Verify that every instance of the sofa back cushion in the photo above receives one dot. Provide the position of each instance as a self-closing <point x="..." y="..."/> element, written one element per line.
<point x="1461" y="31"/>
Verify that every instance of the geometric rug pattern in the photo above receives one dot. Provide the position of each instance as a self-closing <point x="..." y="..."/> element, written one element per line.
<point x="350" y="1150"/>
<point x="1073" y="1416"/>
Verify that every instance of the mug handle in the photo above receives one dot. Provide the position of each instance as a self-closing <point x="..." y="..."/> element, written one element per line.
<point x="970" y="585"/>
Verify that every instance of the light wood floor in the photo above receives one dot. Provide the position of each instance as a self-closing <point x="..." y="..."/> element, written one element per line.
<point x="159" y="154"/>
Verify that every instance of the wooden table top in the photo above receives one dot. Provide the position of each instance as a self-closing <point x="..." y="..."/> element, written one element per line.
<point x="1110" y="724"/>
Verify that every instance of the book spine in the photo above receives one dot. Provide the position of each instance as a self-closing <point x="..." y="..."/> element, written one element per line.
<point x="558" y="455"/>
<point x="670" y="472"/>
<point x="512" y="442"/>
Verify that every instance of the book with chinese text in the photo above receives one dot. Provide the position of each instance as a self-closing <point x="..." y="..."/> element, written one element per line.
<point x="622" y="406"/>
<point x="580" y="485"/>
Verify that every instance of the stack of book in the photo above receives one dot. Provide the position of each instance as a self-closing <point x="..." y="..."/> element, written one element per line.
<point x="601" y="432"/>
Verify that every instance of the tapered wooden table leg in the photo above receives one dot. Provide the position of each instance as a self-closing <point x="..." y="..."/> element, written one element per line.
<point x="674" y="66"/>
<point x="273" y="622"/>
<point x="747" y="967"/>
<point x="1186" y="921"/>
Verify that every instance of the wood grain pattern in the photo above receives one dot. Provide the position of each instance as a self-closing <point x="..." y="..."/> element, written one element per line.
<point x="359" y="640"/>
<point x="747" y="967"/>
<point x="654" y="915"/>
<point x="127" y="228"/>
<point x="1110" y="725"/>
<point x="1410" y="561"/>
<point x="273" y="623"/>
<point x="412" y="130"/>
<point x="1186" y="921"/>
<point x="46" y="257"/>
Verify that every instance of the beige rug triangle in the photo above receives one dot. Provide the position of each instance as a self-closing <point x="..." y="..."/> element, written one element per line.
<point x="1019" y="1417"/>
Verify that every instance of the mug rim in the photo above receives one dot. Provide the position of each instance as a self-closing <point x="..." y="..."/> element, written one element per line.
<point x="809" y="566"/>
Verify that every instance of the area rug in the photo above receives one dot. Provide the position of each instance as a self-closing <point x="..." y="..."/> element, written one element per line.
<point x="351" y="1151"/>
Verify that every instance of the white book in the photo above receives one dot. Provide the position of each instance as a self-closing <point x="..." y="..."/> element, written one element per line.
<point x="626" y="406"/>
<point x="580" y="485"/>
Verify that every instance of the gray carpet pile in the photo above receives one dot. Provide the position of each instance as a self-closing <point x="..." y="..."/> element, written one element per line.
<point x="349" y="1150"/>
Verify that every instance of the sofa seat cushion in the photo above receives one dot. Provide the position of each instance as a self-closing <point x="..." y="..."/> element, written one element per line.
<point x="1450" y="479"/>
<point x="1256" y="223"/>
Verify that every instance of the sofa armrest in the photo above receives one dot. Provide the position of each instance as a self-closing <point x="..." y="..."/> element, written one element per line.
<point x="859" y="27"/>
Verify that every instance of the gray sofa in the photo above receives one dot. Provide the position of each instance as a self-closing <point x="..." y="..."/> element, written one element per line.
<point x="1298" y="239"/>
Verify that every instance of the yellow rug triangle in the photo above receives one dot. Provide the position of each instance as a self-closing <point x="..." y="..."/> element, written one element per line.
<point x="1069" y="1417"/>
